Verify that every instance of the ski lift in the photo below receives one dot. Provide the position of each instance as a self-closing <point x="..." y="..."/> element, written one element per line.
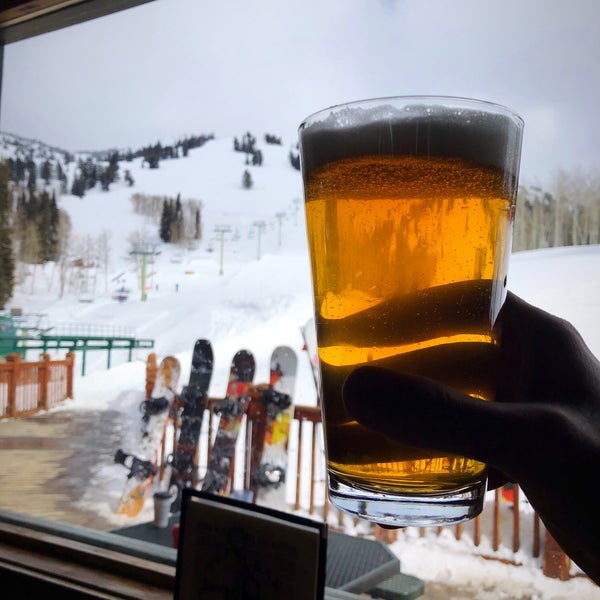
<point x="121" y="294"/>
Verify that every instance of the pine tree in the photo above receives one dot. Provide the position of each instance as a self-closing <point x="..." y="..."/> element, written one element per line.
<point x="105" y="180"/>
<point x="78" y="187"/>
<point x="272" y="139"/>
<point x="44" y="227"/>
<point x="166" y="219"/>
<point x="198" y="226"/>
<point x="89" y="173"/>
<point x="295" y="159"/>
<point x="247" y="182"/>
<point x="113" y="167"/>
<point x="7" y="260"/>
<point x="151" y="155"/>
<point x="32" y="177"/>
<point x="47" y="219"/>
<point x="177" y="224"/>
<point x="257" y="158"/>
<point x="61" y="175"/>
<point x="46" y="171"/>
<point x="54" y="229"/>
<point x="19" y="171"/>
<point x="4" y="195"/>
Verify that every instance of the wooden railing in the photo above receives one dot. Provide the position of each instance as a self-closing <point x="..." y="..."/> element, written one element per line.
<point x="29" y="387"/>
<point x="514" y="526"/>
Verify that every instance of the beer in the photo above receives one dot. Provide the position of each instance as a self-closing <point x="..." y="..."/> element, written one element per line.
<point x="404" y="277"/>
<point x="409" y="225"/>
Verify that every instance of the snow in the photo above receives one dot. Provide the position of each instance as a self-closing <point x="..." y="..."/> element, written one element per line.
<point x="259" y="303"/>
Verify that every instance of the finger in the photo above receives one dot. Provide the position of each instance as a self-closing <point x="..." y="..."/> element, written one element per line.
<point x="544" y="358"/>
<point x="525" y="323"/>
<point x="425" y="414"/>
<point x="496" y="479"/>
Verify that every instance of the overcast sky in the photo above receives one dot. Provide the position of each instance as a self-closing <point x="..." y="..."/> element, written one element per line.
<point x="176" y="67"/>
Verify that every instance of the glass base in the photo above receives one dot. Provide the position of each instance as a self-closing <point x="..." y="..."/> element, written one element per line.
<point x="389" y="508"/>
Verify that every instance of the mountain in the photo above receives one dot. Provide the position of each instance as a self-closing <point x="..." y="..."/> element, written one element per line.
<point x="187" y="296"/>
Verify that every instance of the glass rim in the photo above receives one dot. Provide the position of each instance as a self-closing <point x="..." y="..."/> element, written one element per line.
<point x="423" y="99"/>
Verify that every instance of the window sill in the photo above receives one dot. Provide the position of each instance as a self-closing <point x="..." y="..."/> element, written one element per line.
<point x="42" y="555"/>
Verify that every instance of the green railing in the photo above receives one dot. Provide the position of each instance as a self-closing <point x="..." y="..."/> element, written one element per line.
<point x="88" y="330"/>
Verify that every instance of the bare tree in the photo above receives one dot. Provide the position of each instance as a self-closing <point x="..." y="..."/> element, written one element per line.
<point x="104" y="253"/>
<point x="567" y="214"/>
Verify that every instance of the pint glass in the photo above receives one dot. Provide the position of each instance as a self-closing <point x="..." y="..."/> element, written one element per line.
<point x="409" y="205"/>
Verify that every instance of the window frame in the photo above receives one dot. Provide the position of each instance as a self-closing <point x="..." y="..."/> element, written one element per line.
<point x="22" y="19"/>
<point x="39" y="554"/>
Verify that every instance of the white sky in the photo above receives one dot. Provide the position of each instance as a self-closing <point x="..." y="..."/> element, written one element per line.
<point x="177" y="67"/>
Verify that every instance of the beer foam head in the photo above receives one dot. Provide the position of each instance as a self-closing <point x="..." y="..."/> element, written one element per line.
<point x="471" y="130"/>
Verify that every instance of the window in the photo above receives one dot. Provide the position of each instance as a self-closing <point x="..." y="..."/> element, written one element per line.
<point x="39" y="554"/>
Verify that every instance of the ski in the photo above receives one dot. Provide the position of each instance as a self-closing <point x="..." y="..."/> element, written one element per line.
<point x="231" y="410"/>
<point x="270" y="431"/>
<point x="192" y="403"/>
<point x="155" y="414"/>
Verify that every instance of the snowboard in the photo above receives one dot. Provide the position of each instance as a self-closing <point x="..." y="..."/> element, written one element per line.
<point x="192" y="403"/>
<point x="231" y="410"/>
<point x="155" y="414"/>
<point x="270" y="437"/>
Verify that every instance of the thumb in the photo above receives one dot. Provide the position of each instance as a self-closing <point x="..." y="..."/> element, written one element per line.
<point x="423" y="413"/>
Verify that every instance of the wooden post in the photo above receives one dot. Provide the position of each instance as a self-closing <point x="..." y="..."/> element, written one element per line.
<point x="161" y="472"/>
<point x="176" y="424"/>
<point x="211" y="426"/>
<point x="387" y="536"/>
<point x="43" y="379"/>
<point x="248" y="456"/>
<point x="256" y="427"/>
<point x="556" y="563"/>
<point x="15" y="362"/>
<point x="231" y="476"/>
<point x="496" y="531"/>
<point x="301" y="414"/>
<point x="516" y="516"/>
<point x="536" y="535"/>
<point x="312" y="469"/>
<point x="298" y="466"/>
<point x="477" y="530"/>
<point x="196" y="466"/>
<point x="70" y="366"/>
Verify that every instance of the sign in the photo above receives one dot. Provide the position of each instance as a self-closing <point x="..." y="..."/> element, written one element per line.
<point x="232" y="549"/>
